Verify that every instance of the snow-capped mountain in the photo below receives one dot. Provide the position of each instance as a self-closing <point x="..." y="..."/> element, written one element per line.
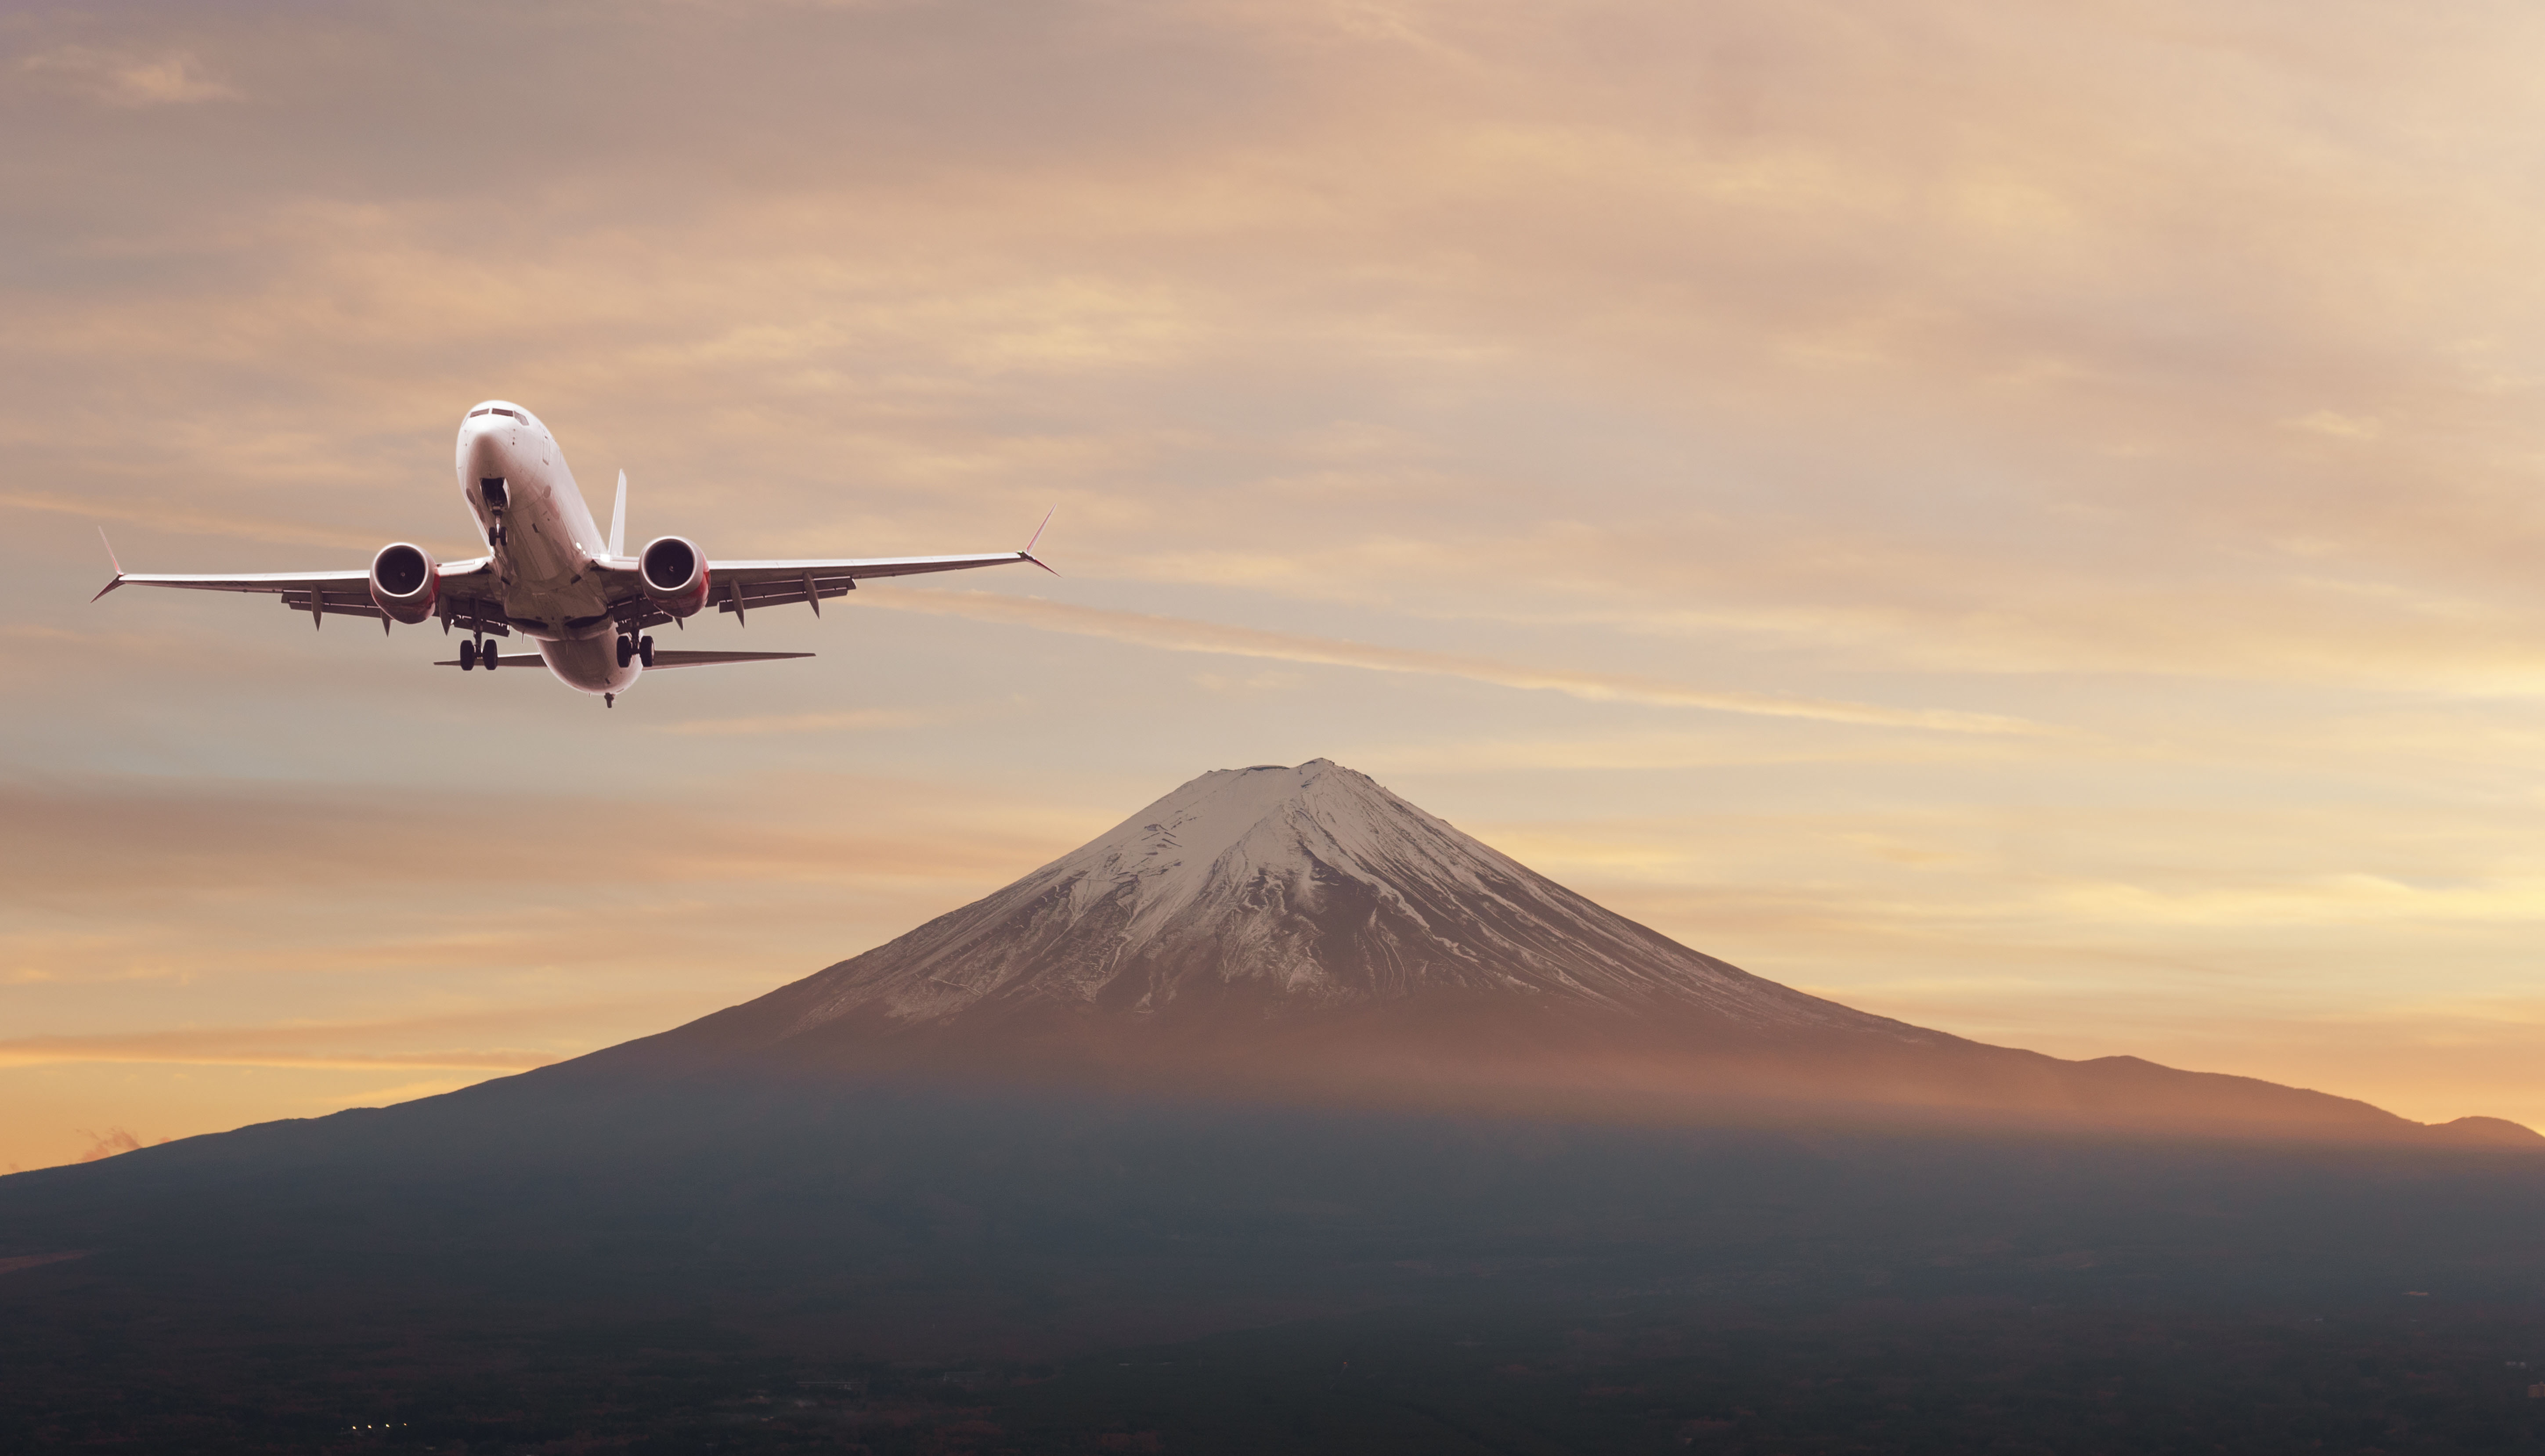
<point x="1302" y="931"/>
<point x="1277" y="892"/>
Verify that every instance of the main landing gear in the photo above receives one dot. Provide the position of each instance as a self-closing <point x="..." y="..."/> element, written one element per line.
<point x="475" y="652"/>
<point x="635" y="649"/>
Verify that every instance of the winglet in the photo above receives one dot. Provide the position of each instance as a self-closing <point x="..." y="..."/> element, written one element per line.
<point x="110" y="558"/>
<point x="619" y="521"/>
<point x="1028" y="552"/>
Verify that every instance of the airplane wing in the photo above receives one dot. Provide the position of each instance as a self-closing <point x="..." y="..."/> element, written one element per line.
<point x="466" y="589"/>
<point x="661" y="661"/>
<point x="668" y="658"/>
<point x="738" y="586"/>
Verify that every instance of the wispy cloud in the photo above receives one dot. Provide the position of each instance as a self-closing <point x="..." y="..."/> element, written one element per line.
<point x="1179" y="634"/>
<point x="843" y="721"/>
<point x="186" y="520"/>
<point x="121" y="79"/>
<point x="108" y="1144"/>
<point x="254" y="1047"/>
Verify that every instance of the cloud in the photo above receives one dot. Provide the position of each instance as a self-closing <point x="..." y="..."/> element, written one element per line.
<point x="184" y="520"/>
<point x="418" y="1043"/>
<point x="109" y="1143"/>
<point x="126" y="80"/>
<point x="248" y="1048"/>
<point x="842" y="720"/>
<point x="143" y="839"/>
<point x="1178" y="634"/>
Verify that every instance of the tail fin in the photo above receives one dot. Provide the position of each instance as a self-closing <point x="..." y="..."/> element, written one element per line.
<point x="618" y="520"/>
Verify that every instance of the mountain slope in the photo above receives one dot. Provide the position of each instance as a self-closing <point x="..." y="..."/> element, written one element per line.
<point x="1279" y="892"/>
<point x="1303" y="932"/>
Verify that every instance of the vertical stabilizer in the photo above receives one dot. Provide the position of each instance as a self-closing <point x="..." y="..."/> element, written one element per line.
<point x="618" y="520"/>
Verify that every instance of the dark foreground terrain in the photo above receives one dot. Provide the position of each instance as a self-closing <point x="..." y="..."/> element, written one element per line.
<point x="775" y="1269"/>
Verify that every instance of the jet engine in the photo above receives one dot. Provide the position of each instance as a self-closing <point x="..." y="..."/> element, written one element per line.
<point x="405" y="582"/>
<point x="675" y="574"/>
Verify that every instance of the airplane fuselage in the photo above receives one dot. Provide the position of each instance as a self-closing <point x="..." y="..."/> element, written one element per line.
<point x="545" y="545"/>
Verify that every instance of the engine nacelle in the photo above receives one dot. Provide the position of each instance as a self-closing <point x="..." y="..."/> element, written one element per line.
<point x="406" y="582"/>
<point x="675" y="574"/>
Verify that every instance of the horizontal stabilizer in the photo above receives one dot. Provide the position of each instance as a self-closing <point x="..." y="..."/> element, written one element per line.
<point x="664" y="660"/>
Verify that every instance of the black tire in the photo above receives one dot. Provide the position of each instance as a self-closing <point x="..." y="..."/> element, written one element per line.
<point x="488" y="658"/>
<point x="468" y="657"/>
<point x="626" y="649"/>
<point x="645" y="650"/>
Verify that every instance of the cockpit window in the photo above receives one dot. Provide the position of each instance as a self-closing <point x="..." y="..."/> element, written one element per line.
<point x="491" y="410"/>
<point x="473" y="414"/>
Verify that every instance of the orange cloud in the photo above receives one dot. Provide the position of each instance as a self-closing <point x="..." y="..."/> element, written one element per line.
<point x="1176" y="634"/>
<point x="126" y="80"/>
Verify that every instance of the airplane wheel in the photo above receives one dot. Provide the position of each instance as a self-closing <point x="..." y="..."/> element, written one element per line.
<point x="468" y="657"/>
<point x="645" y="650"/>
<point x="626" y="650"/>
<point x="486" y="659"/>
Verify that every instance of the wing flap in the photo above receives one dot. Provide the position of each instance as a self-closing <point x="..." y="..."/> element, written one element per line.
<point x="811" y="587"/>
<point x="333" y="603"/>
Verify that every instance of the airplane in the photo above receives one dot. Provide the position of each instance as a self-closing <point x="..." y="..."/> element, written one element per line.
<point x="549" y="576"/>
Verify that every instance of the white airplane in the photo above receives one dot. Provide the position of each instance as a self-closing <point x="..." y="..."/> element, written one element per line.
<point x="547" y="574"/>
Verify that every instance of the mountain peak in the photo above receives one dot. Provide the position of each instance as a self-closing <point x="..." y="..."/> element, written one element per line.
<point x="1275" y="892"/>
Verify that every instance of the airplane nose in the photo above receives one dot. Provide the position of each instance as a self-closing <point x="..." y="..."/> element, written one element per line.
<point x="485" y="453"/>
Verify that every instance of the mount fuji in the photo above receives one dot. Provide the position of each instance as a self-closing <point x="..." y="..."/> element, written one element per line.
<point x="1280" y="1053"/>
<point x="1302" y="934"/>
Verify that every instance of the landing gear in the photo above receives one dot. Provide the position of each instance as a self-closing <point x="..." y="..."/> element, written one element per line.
<point x="468" y="657"/>
<point x="626" y="649"/>
<point x="645" y="650"/>
<point x="633" y="648"/>
<point x="487" y="657"/>
<point x="609" y="700"/>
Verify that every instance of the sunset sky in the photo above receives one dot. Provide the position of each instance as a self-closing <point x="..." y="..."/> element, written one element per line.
<point x="2028" y="519"/>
